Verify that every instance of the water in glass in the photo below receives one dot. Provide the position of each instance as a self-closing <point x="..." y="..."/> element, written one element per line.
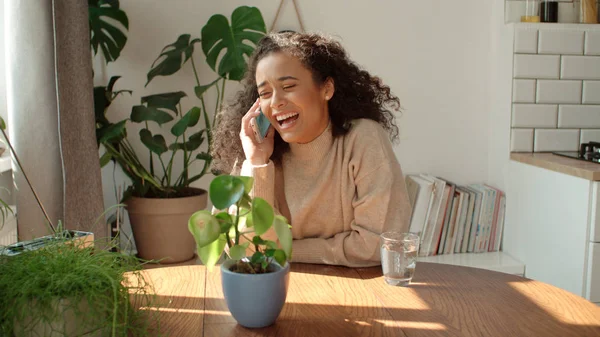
<point x="399" y="257"/>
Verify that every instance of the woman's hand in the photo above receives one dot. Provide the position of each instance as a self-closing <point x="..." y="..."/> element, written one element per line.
<point x="257" y="153"/>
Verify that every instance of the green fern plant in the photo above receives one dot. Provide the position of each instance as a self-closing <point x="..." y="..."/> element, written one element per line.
<point x="69" y="289"/>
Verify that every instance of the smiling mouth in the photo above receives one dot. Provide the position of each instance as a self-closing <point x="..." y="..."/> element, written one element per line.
<point x="287" y="118"/>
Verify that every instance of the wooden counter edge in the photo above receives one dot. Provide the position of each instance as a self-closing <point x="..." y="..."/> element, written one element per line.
<point x="556" y="163"/>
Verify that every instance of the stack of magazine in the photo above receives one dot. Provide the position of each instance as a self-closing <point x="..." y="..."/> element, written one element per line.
<point x="451" y="218"/>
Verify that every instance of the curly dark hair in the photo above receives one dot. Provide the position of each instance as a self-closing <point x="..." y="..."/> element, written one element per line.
<point x="358" y="94"/>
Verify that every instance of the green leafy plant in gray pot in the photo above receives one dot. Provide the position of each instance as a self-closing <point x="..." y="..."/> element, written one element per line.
<point x="259" y="279"/>
<point x="160" y="200"/>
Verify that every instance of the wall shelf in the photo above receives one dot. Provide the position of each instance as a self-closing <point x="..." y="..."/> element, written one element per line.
<point x="495" y="261"/>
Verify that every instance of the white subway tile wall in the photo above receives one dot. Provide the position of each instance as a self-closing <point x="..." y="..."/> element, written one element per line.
<point x="521" y="140"/>
<point x="560" y="42"/>
<point x="579" y="116"/>
<point x="591" y="92"/>
<point x="556" y="87"/>
<point x="537" y="66"/>
<point x="555" y="91"/>
<point x="526" y="41"/>
<point x="546" y="140"/>
<point x="580" y="67"/>
<point x="524" y="91"/>
<point x="592" y="43"/>
<point x="589" y="135"/>
<point x="534" y="115"/>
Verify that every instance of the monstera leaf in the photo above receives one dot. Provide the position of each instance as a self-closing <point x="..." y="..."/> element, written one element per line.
<point x="172" y="57"/>
<point x="103" y="34"/>
<point x="247" y="25"/>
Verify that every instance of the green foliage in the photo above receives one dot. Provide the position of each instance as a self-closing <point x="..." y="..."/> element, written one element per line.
<point x="213" y="232"/>
<point x="225" y="48"/>
<point x="89" y="283"/>
<point x="103" y="34"/>
<point x="218" y="37"/>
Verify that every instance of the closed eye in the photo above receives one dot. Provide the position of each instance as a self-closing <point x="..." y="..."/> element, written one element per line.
<point x="263" y="94"/>
<point x="289" y="86"/>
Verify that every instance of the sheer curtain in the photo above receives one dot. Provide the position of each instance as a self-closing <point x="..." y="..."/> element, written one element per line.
<point x="50" y="114"/>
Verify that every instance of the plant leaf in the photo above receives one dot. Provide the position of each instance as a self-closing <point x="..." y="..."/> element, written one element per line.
<point x="280" y="257"/>
<point x="248" y="183"/>
<point x="195" y="140"/>
<point x="188" y="120"/>
<point x="101" y="102"/>
<point x="237" y="252"/>
<point x="156" y="143"/>
<point x="225" y="191"/>
<point x="257" y="257"/>
<point x="111" y="39"/>
<point x="247" y="28"/>
<point x="2" y="124"/>
<point x="111" y="83"/>
<point x="257" y="240"/>
<point x="225" y="221"/>
<point x="168" y="100"/>
<point x="204" y="227"/>
<point x="246" y="203"/>
<point x="249" y="221"/>
<point x="105" y="159"/>
<point x="262" y="215"/>
<point x="141" y="113"/>
<point x="172" y="57"/>
<point x="284" y="234"/>
<point x="271" y="244"/>
<point x="191" y="145"/>
<point x="201" y="89"/>
<point x="211" y="253"/>
<point x="203" y="156"/>
<point x="112" y="132"/>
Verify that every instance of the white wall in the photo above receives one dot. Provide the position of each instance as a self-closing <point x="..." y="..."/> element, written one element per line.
<point x="434" y="55"/>
<point x="499" y="104"/>
<point x="443" y="59"/>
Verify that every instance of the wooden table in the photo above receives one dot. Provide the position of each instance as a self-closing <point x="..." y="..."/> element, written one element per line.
<point x="442" y="300"/>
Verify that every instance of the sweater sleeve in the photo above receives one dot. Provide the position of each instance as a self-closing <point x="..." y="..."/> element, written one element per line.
<point x="264" y="187"/>
<point x="264" y="180"/>
<point x="380" y="204"/>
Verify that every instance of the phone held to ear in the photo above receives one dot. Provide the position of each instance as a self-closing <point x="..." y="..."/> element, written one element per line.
<point x="261" y="126"/>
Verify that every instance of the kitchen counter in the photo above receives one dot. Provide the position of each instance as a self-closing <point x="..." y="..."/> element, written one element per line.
<point x="573" y="167"/>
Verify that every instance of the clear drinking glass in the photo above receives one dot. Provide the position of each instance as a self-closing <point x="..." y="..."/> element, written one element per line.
<point x="532" y="11"/>
<point x="399" y="257"/>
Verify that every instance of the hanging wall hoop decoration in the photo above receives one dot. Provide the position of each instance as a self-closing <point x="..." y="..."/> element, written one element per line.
<point x="279" y="12"/>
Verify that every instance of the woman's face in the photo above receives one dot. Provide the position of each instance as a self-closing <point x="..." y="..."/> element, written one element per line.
<point x="294" y="104"/>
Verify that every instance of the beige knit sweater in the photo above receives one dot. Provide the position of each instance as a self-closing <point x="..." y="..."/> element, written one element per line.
<point x="338" y="193"/>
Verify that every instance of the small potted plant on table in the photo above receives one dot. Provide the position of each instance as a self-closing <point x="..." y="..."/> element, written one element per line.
<point x="262" y="277"/>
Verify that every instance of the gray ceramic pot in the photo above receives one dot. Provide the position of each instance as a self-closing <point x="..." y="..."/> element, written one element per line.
<point x="255" y="300"/>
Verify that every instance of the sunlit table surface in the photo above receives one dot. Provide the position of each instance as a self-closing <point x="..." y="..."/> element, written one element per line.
<point x="442" y="300"/>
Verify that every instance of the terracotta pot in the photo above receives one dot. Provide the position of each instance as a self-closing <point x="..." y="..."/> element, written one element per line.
<point x="160" y="226"/>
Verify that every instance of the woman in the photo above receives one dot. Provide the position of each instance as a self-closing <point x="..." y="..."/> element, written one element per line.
<point x="326" y="163"/>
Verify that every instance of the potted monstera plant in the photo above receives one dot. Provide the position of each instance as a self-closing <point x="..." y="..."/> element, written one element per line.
<point x="256" y="269"/>
<point x="161" y="199"/>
